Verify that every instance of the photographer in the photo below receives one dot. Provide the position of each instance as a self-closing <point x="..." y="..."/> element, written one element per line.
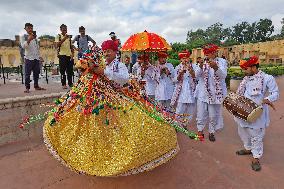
<point x="31" y="57"/>
<point x="65" y="51"/>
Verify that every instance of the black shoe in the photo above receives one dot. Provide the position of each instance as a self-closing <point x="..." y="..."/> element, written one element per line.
<point x="256" y="166"/>
<point x="212" y="137"/>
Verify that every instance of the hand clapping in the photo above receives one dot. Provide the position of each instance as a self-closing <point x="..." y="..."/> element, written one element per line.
<point x="213" y="65"/>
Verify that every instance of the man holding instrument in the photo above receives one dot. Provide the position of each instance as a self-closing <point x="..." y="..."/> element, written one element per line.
<point x="210" y="91"/>
<point x="254" y="86"/>
<point x="183" y="96"/>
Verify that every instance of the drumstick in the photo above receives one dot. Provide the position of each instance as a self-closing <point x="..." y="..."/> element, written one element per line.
<point x="270" y="104"/>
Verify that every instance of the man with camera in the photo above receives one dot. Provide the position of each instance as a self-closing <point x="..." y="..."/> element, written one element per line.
<point x="83" y="41"/>
<point x="31" y="57"/>
<point x="65" y="52"/>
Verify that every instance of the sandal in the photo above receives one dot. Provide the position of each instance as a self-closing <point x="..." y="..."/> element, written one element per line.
<point x="200" y="134"/>
<point x="243" y="152"/>
<point x="256" y="166"/>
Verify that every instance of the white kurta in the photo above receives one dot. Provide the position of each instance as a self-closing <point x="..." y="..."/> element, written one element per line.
<point x="201" y="89"/>
<point x="117" y="71"/>
<point x="150" y="86"/>
<point x="165" y="84"/>
<point x="255" y="88"/>
<point x="135" y="68"/>
<point x="210" y="111"/>
<point x="186" y="102"/>
<point x="187" y="93"/>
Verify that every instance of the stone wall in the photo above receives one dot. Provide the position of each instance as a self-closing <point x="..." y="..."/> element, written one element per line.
<point x="13" y="110"/>
<point x="268" y="52"/>
<point x="10" y="53"/>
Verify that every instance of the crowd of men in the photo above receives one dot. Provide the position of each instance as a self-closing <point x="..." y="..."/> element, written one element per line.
<point x="189" y="89"/>
<point x="198" y="90"/>
<point x="66" y="46"/>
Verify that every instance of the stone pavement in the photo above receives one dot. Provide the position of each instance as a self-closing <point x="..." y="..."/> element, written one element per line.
<point x="15" y="88"/>
<point x="198" y="165"/>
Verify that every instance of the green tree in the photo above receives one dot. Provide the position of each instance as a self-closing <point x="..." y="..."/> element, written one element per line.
<point x="177" y="47"/>
<point x="282" y="29"/>
<point x="215" y="33"/>
<point x="264" y="30"/>
<point x="249" y="32"/>
<point x="196" y="39"/>
<point x="243" y="32"/>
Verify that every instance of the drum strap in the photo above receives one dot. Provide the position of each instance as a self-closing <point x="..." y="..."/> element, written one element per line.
<point x="259" y="77"/>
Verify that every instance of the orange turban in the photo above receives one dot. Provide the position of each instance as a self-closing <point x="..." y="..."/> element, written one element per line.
<point x="245" y="63"/>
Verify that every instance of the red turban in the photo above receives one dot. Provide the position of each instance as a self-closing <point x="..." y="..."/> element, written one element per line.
<point x="162" y="55"/>
<point x="245" y="63"/>
<point x="184" y="54"/>
<point x="109" y="44"/>
<point x="143" y="57"/>
<point x="210" y="48"/>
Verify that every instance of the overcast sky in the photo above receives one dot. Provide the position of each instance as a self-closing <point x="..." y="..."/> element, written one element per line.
<point x="169" y="18"/>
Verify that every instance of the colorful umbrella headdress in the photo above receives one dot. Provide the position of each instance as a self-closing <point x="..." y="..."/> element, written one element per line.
<point x="146" y="41"/>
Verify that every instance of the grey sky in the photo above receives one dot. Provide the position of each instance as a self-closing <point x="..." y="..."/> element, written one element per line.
<point x="170" y="18"/>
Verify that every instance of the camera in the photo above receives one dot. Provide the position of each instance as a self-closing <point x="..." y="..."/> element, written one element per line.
<point x="34" y="33"/>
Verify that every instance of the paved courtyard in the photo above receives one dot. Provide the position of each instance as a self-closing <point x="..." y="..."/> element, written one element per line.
<point x="198" y="165"/>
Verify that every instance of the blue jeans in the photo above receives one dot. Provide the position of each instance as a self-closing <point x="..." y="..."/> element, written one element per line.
<point x="31" y="65"/>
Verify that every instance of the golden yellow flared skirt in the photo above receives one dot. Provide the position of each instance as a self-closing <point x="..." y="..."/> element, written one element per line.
<point x="128" y="143"/>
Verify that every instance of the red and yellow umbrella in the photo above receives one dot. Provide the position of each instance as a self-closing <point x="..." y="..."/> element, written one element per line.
<point x="146" y="41"/>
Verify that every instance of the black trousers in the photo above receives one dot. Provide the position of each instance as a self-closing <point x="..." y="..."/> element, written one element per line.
<point x="66" y="66"/>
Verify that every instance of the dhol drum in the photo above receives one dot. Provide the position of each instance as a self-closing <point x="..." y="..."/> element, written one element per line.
<point x="242" y="107"/>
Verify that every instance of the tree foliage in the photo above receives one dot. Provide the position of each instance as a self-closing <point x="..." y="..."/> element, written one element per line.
<point x="240" y="33"/>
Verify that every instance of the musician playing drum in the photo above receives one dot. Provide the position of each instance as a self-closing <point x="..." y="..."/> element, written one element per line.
<point x="255" y="86"/>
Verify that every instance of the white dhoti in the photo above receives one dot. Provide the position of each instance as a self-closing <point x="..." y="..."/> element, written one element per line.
<point x="211" y="113"/>
<point x="252" y="139"/>
<point x="188" y="109"/>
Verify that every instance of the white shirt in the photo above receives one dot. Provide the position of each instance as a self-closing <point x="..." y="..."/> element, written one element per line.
<point x="117" y="71"/>
<point x="187" y="93"/>
<point x="149" y="78"/>
<point x="165" y="84"/>
<point x="251" y="92"/>
<point x="135" y="68"/>
<point x="31" y="50"/>
<point x="201" y="90"/>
